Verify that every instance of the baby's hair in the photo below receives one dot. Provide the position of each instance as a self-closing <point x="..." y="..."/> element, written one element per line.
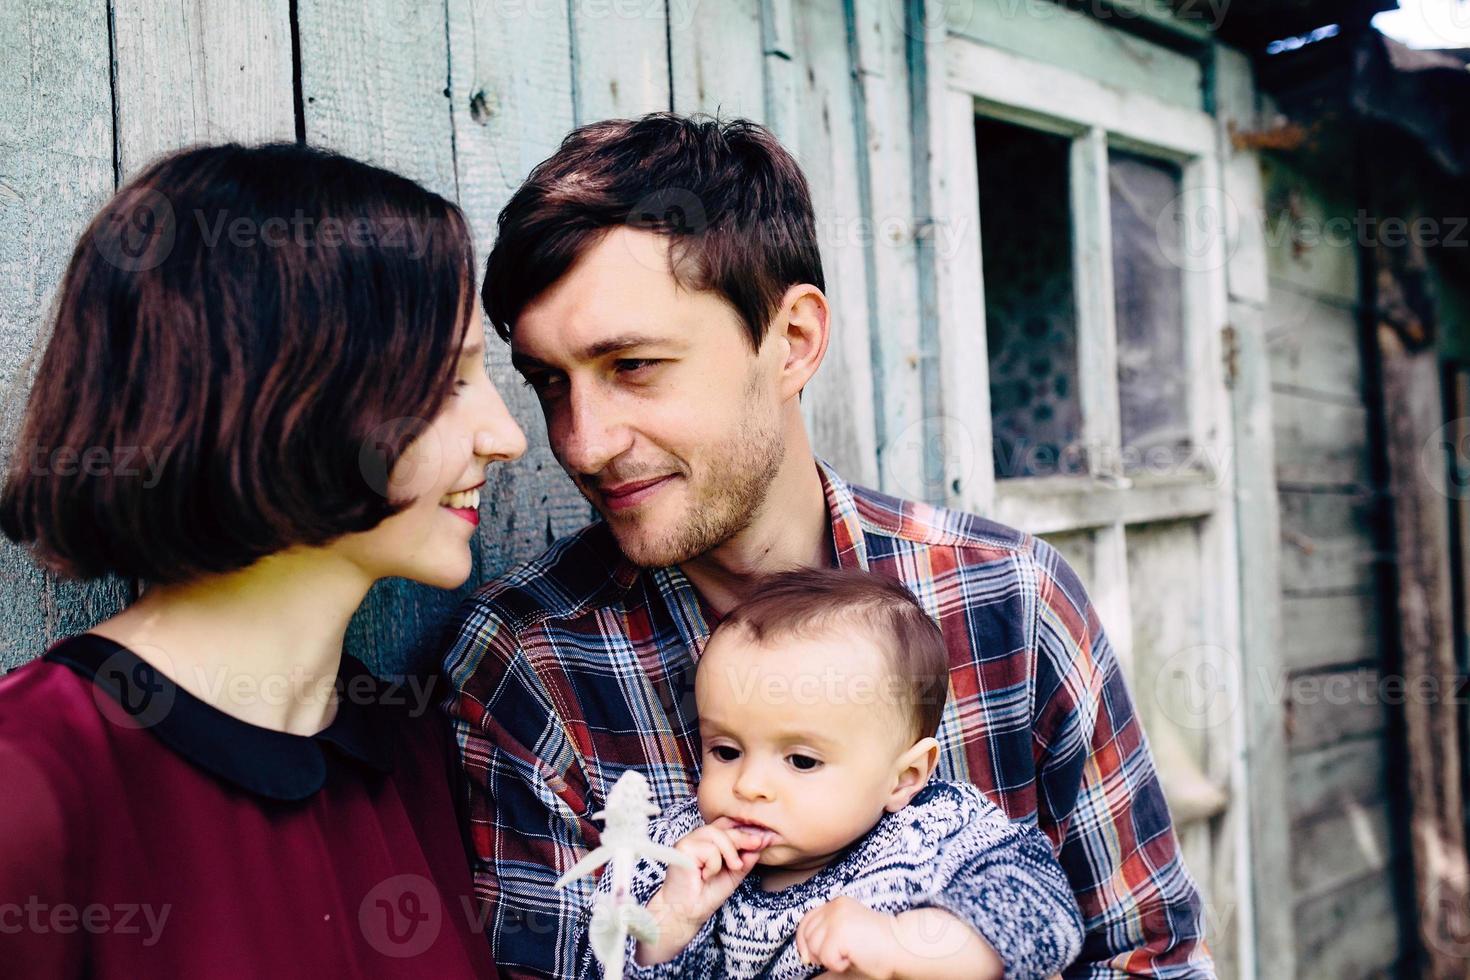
<point x="816" y="602"/>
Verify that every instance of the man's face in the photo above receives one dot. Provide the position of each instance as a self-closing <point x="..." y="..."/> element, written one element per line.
<point x="655" y="404"/>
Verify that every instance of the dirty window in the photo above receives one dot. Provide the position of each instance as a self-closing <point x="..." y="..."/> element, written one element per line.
<point x="1030" y="304"/>
<point x="1148" y="297"/>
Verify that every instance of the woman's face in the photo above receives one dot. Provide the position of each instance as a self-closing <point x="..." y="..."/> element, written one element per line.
<point x="442" y="471"/>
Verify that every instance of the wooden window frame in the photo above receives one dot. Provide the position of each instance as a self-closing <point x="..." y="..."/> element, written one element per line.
<point x="985" y="81"/>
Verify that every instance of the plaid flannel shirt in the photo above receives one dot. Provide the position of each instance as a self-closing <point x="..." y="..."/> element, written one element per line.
<point x="578" y="665"/>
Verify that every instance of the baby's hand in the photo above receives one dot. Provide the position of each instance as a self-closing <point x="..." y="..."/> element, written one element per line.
<point x="846" y="937"/>
<point x="723" y="854"/>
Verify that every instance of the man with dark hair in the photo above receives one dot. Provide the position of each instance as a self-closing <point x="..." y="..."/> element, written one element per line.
<point x="661" y="288"/>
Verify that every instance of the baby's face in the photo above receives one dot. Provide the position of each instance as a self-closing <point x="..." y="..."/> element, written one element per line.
<point x="802" y="737"/>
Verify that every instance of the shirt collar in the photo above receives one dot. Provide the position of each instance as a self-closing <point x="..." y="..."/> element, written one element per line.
<point x="849" y="545"/>
<point x="276" y="765"/>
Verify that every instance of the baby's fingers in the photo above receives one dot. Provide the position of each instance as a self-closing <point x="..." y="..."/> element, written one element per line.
<point x="727" y="848"/>
<point x="809" y="934"/>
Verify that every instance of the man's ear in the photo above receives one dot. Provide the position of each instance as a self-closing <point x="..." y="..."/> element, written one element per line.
<point x="914" y="768"/>
<point x="803" y="325"/>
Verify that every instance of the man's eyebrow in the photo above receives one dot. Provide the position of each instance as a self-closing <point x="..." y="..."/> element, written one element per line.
<point x="624" y="342"/>
<point x="522" y="361"/>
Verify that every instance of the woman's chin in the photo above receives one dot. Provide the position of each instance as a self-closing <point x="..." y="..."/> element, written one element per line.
<point x="446" y="567"/>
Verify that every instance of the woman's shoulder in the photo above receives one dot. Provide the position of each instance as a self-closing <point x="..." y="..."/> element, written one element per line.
<point x="49" y="713"/>
<point x="50" y="728"/>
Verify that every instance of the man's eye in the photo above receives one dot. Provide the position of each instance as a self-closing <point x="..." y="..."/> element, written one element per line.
<point x="725" y="753"/>
<point x="803" y="763"/>
<point x="632" y="365"/>
<point x="538" y="382"/>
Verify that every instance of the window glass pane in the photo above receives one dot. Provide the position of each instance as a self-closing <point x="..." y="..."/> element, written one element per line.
<point x="1030" y="306"/>
<point x="1148" y="291"/>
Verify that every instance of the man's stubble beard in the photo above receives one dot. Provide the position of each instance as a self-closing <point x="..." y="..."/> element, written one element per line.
<point x="729" y="497"/>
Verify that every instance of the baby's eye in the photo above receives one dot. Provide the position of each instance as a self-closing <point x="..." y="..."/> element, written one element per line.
<point x="725" y="753"/>
<point x="803" y="763"/>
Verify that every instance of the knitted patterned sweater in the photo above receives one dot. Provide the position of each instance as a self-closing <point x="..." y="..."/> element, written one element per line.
<point x="950" y="848"/>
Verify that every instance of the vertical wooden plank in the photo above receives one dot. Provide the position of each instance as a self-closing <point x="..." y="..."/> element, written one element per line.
<point x="1203" y="265"/>
<point x="374" y="80"/>
<point x="959" y="299"/>
<point x="511" y="99"/>
<point x="1412" y="416"/>
<point x="839" y="400"/>
<point x="196" y="72"/>
<point x="1112" y="598"/>
<point x="779" y="55"/>
<point x="910" y="466"/>
<point x="1268" y="946"/>
<point x="1226" y="880"/>
<point x="717" y="60"/>
<point x="620" y="56"/>
<point x="1097" y="336"/>
<point x="56" y="170"/>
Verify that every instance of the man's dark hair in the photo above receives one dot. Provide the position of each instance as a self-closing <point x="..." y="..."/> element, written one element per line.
<point x="814" y="602"/>
<point x="732" y="202"/>
<point x="244" y="342"/>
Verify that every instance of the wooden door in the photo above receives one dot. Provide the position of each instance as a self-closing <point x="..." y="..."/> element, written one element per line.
<point x="1082" y="327"/>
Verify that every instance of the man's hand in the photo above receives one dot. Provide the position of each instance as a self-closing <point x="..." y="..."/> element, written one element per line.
<point x="723" y="855"/>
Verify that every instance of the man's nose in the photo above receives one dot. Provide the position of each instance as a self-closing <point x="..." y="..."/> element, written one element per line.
<point x="586" y="434"/>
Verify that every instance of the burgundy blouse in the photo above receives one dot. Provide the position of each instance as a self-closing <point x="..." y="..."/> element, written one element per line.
<point x="144" y="833"/>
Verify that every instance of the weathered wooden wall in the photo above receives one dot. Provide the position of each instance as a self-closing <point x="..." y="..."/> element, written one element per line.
<point x="465" y="97"/>
<point x="1341" y="839"/>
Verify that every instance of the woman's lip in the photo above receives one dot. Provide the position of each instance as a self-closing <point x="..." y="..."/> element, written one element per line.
<point x="466" y="513"/>
<point x="632" y="494"/>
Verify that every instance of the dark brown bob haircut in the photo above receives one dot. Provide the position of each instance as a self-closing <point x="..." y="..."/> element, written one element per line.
<point x="244" y="342"/>
<point x="732" y="201"/>
<point x="817" y="602"/>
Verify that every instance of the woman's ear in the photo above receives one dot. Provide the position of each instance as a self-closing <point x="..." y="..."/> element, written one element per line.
<point x="803" y="322"/>
<point x="914" y="768"/>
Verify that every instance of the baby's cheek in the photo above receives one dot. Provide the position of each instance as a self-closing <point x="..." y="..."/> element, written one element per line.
<point x="711" y="799"/>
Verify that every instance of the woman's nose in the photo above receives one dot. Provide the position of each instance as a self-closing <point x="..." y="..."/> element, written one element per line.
<point x="499" y="437"/>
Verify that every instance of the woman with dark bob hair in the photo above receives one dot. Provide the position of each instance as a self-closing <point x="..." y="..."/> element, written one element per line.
<point x="265" y="390"/>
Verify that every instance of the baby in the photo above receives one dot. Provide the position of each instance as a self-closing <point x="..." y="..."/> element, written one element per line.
<point x="818" y="838"/>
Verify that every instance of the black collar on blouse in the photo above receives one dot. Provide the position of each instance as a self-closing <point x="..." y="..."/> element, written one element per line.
<point x="269" y="763"/>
